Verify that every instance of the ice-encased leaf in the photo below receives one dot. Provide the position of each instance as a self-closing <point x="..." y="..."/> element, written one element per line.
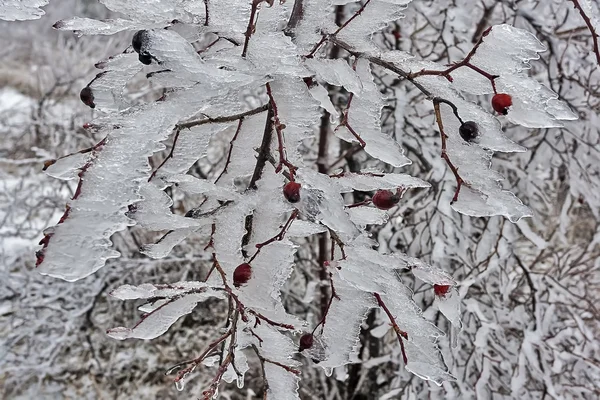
<point x="304" y="228"/>
<point x="68" y="167"/>
<point x="369" y="181"/>
<point x="336" y="72"/>
<point x="377" y="14"/>
<point x="191" y="146"/>
<point x="321" y="94"/>
<point x="193" y="185"/>
<point x="148" y="290"/>
<point x="88" y="26"/>
<point x="364" y="117"/>
<point x="164" y="245"/>
<point x="108" y="86"/>
<point x="21" y="10"/>
<point x="160" y="320"/>
<point x="320" y="200"/>
<point x="341" y="332"/>
<point x="297" y="110"/>
<point x="154" y="212"/>
<point x="363" y="216"/>
<point x="283" y="384"/>
<point x="242" y="163"/>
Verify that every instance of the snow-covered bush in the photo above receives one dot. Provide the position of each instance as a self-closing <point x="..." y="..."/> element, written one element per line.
<point x="276" y="213"/>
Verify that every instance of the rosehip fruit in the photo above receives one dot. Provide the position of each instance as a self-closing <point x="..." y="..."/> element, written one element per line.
<point x="306" y="341"/>
<point x="469" y="131"/>
<point x="291" y="191"/>
<point x="242" y="274"/>
<point x="501" y="102"/>
<point x="441" y="290"/>
<point x="385" y="199"/>
<point x="139" y="39"/>
<point x="87" y="97"/>
<point x="145" y="59"/>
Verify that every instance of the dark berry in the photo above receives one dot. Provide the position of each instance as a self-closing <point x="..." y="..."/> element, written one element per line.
<point x="501" y="102"/>
<point x="242" y="274"/>
<point x="306" y="341"/>
<point x="385" y="199"/>
<point x="139" y="39"/>
<point x="469" y="131"/>
<point x="145" y="59"/>
<point x="87" y="97"/>
<point x="291" y="191"/>
<point x="441" y="290"/>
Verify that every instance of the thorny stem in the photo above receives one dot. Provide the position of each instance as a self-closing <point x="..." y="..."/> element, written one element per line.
<point x="250" y="28"/>
<point x="399" y="333"/>
<point x="590" y="26"/>
<point x="444" y="137"/>
<point x="279" y="127"/>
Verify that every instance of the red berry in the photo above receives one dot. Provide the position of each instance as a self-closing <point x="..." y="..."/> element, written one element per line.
<point x="501" y="102"/>
<point x="441" y="290"/>
<point x="291" y="191"/>
<point x="385" y="199"/>
<point x="306" y="341"/>
<point x="468" y="131"/>
<point x="242" y="274"/>
<point x="87" y="97"/>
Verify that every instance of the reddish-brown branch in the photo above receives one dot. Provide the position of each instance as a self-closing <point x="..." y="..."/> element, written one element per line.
<point x="229" y="360"/>
<point x="170" y="155"/>
<point x="336" y="239"/>
<point x="360" y="203"/>
<point x="399" y="333"/>
<point x="344" y="121"/>
<point x="250" y="28"/>
<point x="444" y="137"/>
<point x="333" y="296"/>
<point x="590" y="26"/>
<point x="101" y="143"/>
<point x="196" y="361"/>
<point x="277" y="237"/>
<point x="279" y="127"/>
<point x="217" y="120"/>
<point x="237" y="132"/>
<point x="324" y="37"/>
<point x="206" y="19"/>
<point x="466" y="62"/>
